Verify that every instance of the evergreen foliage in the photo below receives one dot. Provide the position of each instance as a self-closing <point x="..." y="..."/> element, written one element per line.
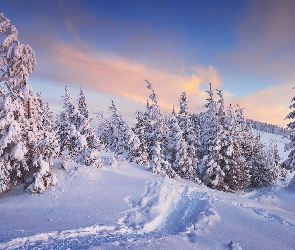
<point x="232" y="157"/>
<point x="26" y="144"/>
<point x="216" y="147"/>
<point x="290" y="162"/>
<point x="77" y="139"/>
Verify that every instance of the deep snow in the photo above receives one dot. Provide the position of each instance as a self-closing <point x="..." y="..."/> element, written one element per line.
<point x="128" y="207"/>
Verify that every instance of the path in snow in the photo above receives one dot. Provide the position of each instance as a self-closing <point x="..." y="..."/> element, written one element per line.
<point x="129" y="207"/>
<point x="166" y="209"/>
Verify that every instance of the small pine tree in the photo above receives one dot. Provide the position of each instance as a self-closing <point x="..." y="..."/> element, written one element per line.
<point x="156" y="137"/>
<point x="266" y="167"/>
<point x="121" y="139"/>
<point x="290" y="161"/>
<point x="212" y="173"/>
<point x="77" y="139"/>
<point x="139" y="154"/>
<point x="234" y="163"/>
<point x="90" y="153"/>
<point x="184" y="164"/>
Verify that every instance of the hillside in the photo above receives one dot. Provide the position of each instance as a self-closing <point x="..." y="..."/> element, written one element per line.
<point x="128" y="207"/>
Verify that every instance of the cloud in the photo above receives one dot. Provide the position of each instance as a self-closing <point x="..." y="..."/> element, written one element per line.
<point x="208" y="75"/>
<point x="108" y="73"/>
<point x="270" y="104"/>
<point x="265" y="40"/>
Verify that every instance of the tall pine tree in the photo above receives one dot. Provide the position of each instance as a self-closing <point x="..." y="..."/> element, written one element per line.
<point x="290" y="162"/>
<point x="22" y="145"/>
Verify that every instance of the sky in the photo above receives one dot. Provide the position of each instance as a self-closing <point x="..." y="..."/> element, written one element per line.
<point x="108" y="48"/>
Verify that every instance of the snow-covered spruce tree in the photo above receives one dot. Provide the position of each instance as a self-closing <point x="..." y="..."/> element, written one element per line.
<point x="82" y="104"/>
<point x="12" y="148"/>
<point x="186" y="125"/>
<point x="158" y="140"/>
<point x="260" y="160"/>
<point x="76" y="137"/>
<point x="212" y="173"/>
<point x="233" y="161"/>
<point x="46" y="121"/>
<point x="289" y="163"/>
<point x="121" y="139"/>
<point x="209" y="125"/>
<point x="264" y="163"/>
<point x="139" y="154"/>
<point x="90" y="155"/>
<point x="225" y="165"/>
<point x="67" y="135"/>
<point x="156" y="131"/>
<point x="183" y="163"/>
<point x="266" y="166"/>
<point x="20" y="137"/>
<point x="104" y="126"/>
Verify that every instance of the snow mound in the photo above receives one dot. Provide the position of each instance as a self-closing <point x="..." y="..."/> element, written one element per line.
<point x="126" y="206"/>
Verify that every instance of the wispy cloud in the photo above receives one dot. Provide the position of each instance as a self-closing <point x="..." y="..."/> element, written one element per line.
<point x="109" y="73"/>
<point x="270" y="104"/>
<point x="265" y="40"/>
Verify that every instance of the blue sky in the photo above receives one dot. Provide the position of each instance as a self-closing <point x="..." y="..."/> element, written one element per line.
<point x="246" y="48"/>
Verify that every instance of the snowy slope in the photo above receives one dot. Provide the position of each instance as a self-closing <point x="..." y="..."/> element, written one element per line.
<point x="128" y="207"/>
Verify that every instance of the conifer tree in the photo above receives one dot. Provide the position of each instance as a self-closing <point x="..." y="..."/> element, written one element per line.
<point x="121" y="139"/>
<point x="104" y="126"/>
<point x="157" y="129"/>
<point x="290" y="161"/>
<point x="77" y="139"/>
<point x="22" y="146"/>
<point x="209" y="125"/>
<point x="66" y="131"/>
<point x="212" y="174"/>
<point x="266" y="167"/>
<point x="184" y="164"/>
<point x="186" y="125"/>
<point x="90" y="153"/>
<point x="82" y="104"/>
<point x="226" y="167"/>
<point x="233" y="160"/>
<point x="139" y="154"/>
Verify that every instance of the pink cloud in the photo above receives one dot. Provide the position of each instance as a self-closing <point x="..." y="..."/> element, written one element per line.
<point x="108" y="73"/>
<point x="264" y="39"/>
<point x="270" y="104"/>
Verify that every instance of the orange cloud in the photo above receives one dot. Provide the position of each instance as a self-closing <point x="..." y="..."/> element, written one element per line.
<point x="270" y="104"/>
<point x="109" y="73"/>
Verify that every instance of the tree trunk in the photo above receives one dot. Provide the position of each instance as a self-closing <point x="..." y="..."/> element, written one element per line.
<point x="29" y="109"/>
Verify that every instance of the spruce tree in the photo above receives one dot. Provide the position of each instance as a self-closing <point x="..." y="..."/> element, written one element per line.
<point x="66" y="131"/>
<point x="212" y="173"/>
<point x="90" y="153"/>
<point x="233" y="160"/>
<point x="22" y="146"/>
<point x="121" y="139"/>
<point x="183" y="163"/>
<point x="156" y="133"/>
<point x="290" y="161"/>
<point x="188" y="134"/>
<point x="139" y="154"/>
<point x="266" y="167"/>
<point x="77" y="139"/>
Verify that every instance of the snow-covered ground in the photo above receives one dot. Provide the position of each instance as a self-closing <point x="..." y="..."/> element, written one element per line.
<point x="128" y="207"/>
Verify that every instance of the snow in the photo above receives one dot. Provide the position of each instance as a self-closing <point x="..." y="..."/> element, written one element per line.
<point x="126" y="206"/>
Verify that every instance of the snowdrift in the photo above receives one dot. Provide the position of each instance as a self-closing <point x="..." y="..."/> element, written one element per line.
<point x="126" y="206"/>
